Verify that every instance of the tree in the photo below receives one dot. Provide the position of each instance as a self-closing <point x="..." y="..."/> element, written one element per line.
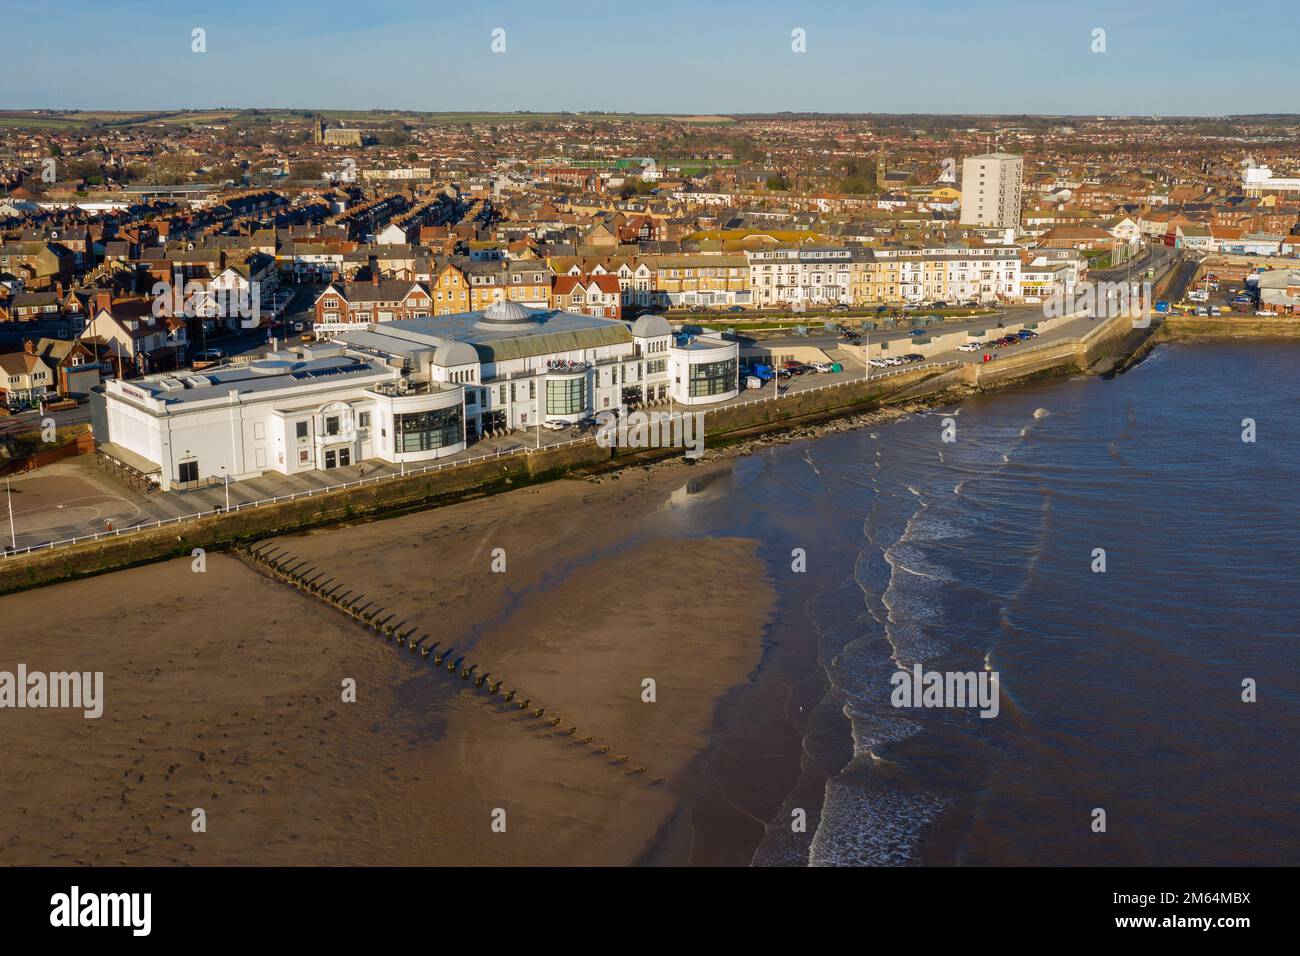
<point x="777" y="182"/>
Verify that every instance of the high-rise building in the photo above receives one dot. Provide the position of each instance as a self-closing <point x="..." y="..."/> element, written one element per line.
<point x="990" y="190"/>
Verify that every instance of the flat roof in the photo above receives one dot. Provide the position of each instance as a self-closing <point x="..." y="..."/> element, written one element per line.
<point x="261" y="376"/>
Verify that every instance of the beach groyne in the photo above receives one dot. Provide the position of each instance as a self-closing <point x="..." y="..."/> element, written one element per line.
<point x="301" y="574"/>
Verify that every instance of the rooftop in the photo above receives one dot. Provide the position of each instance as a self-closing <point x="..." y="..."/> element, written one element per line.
<point x="513" y="331"/>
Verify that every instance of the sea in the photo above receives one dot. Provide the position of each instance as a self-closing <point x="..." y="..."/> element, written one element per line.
<point x="1122" y="553"/>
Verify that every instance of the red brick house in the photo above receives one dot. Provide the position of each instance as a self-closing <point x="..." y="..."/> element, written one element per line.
<point x="350" y="305"/>
<point x="598" y="295"/>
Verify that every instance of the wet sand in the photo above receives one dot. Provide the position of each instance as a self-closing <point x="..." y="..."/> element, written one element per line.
<point x="223" y="692"/>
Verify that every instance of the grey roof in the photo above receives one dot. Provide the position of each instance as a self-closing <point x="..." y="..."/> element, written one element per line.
<point x="261" y="376"/>
<point x="543" y="332"/>
<point x="648" y="326"/>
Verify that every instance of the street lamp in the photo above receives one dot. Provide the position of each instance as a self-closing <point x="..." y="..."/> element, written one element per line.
<point x="13" y="537"/>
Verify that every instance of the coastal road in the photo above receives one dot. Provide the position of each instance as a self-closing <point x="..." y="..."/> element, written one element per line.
<point x="100" y="498"/>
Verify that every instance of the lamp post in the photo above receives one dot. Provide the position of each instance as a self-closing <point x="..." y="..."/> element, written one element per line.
<point x="226" y="475"/>
<point x="13" y="536"/>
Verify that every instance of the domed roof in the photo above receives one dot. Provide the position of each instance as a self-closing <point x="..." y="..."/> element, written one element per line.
<point x="504" y="312"/>
<point x="648" y="326"/>
<point x="457" y="353"/>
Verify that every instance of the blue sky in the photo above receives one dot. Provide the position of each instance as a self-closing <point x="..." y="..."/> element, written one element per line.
<point x="932" y="56"/>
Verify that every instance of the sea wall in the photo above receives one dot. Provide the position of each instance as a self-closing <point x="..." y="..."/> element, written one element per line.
<point x="384" y="496"/>
<point x="395" y="494"/>
<point x="1183" y="327"/>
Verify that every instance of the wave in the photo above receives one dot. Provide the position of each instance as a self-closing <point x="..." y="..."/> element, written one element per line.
<point x="875" y="827"/>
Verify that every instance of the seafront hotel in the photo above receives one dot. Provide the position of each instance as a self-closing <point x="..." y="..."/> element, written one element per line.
<point x="407" y="391"/>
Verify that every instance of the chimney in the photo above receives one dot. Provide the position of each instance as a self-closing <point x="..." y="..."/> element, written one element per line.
<point x="374" y="276"/>
<point x="103" y="301"/>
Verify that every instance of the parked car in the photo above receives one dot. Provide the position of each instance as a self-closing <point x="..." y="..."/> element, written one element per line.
<point x="970" y="347"/>
<point x="736" y="308"/>
<point x="915" y="332"/>
<point x="555" y="425"/>
<point x="1029" y="334"/>
<point x="939" y="305"/>
<point x="914" y="357"/>
<point x="842" y="307"/>
<point x="753" y="381"/>
<point x="1024" y="334"/>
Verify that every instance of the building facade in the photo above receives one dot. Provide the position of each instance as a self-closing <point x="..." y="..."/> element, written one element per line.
<point x="991" y="187"/>
<point x="403" y="391"/>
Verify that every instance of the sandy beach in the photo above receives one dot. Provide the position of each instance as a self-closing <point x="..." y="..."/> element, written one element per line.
<point x="223" y="692"/>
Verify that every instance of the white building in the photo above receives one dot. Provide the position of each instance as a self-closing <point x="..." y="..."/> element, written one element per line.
<point x="802" y="276"/>
<point x="1259" y="181"/>
<point x="990" y="190"/>
<point x="411" y="390"/>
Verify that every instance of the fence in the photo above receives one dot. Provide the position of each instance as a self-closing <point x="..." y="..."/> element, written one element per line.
<point x="433" y="467"/>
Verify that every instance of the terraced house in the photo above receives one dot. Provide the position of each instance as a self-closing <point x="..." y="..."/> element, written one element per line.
<point x="354" y="305"/>
<point x="801" y="276"/>
<point x="450" y="289"/>
<point x="958" y="274"/>
<point x="710" y="281"/>
<point x="24" y="378"/>
<point x="526" y="282"/>
<point x="588" y="295"/>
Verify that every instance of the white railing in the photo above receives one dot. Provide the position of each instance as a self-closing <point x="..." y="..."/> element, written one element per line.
<point x="434" y="467"/>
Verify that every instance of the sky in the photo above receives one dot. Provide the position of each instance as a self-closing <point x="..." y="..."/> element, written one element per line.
<point x="1166" y="57"/>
